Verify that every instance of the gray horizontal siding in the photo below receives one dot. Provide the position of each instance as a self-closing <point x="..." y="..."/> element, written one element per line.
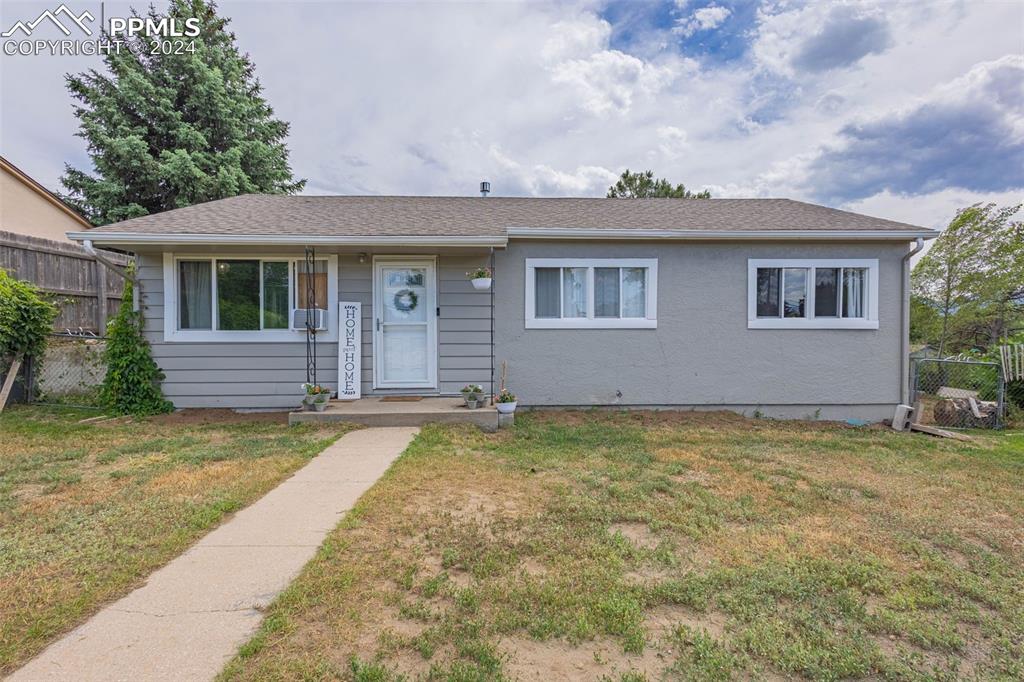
<point x="235" y="375"/>
<point x="267" y="375"/>
<point x="464" y="338"/>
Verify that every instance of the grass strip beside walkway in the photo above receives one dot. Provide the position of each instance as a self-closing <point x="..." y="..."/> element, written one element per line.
<point x="87" y="512"/>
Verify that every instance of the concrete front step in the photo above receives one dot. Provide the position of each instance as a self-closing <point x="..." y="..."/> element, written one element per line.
<point x="375" y="412"/>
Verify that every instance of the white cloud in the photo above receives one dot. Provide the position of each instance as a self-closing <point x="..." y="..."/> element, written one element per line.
<point x="609" y="81"/>
<point x="703" y="19"/>
<point x="672" y="141"/>
<point x="545" y="100"/>
<point x="541" y="179"/>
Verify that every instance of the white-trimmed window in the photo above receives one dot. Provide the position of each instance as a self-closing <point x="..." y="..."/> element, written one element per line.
<point x="245" y="298"/>
<point x="800" y="293"/>
<point x="594" y="293"/>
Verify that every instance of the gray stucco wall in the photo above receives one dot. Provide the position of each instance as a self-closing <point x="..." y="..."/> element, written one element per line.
<point x="267" y="375"/>
<point x="702" y="353"/>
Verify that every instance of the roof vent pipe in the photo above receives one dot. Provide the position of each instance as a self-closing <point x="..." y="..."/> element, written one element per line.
<point x="485" y="188"/>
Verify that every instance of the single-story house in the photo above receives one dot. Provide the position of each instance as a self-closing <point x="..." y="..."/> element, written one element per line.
<point x="770" y="305"/>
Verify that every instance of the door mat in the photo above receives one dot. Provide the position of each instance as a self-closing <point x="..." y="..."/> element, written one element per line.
<point x="401" y="399"/>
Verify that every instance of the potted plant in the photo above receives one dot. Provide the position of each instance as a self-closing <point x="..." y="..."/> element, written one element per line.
<point x="473" y="394"/>
<point x="505" y="401"/>
<point x="317" y="397"/>
<point x="481" y="278"/>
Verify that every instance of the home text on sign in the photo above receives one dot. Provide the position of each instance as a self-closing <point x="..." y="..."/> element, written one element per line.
<point x="350" y="351"/>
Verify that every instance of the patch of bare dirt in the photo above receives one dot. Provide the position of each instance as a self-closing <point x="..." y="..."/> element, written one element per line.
<point x="534" y="568"/>
<point x="662" y="620"/>
<point x="637" y="533"/>
<point x="647" y="575"/>
<point x="896" y="649"/>
<point x="528" y="659"/>
<point x="481" y="507"/>
<point x="198" y="417"/>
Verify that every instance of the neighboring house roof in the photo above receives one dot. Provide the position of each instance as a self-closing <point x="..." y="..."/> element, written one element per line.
<point x="44" y="193"/>
<point x="366" y="219"/>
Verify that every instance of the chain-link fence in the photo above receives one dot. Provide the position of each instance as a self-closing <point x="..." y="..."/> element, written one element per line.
<point x="70" y="371"/>
<point x="962" y="394"/>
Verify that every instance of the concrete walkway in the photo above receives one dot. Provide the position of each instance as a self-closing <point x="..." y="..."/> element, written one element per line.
<point x="191" y="616"/>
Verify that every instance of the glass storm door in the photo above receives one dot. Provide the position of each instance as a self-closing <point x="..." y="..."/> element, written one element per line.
<point x="405" y="336"/>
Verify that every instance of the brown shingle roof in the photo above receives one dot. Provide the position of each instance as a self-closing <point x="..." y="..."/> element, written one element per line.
<point x="397" y="216"/>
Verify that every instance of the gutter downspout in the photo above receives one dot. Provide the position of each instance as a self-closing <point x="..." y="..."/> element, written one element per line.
<point x="113" y="267"/>
<point x="905" y="321"/>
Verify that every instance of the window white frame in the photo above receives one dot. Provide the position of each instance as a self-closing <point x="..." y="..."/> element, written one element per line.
<point x="172" y="333"/>
<point x="650" y="321"/>
<point x="869" y="321"/>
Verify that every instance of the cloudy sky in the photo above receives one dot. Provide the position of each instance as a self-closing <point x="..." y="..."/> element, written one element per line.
<point x="906" y="110"/>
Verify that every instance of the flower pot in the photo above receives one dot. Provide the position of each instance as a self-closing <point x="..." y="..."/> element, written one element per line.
<point x="472" y="404"/>
<point x="481" y="283"/>
<point x="320" y="404"/>
<point x="506" y="408"/>
<point x="307" y="403"/>
<point x="475" y="397"/>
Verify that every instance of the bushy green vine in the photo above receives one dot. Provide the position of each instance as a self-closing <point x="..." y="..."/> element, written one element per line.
<point x="132" y="382"/>
<point x="26" y="319"/>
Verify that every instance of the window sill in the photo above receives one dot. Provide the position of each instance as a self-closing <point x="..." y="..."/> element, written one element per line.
<point x="245" y="336"/>
<point x="799" y="323"/>
<point x="581" y="323"/>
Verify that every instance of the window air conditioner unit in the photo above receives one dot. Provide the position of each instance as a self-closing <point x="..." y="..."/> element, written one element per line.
<point x="314" y="316"/>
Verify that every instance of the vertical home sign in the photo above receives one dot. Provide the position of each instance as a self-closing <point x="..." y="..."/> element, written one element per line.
<point x="350" y="347"/>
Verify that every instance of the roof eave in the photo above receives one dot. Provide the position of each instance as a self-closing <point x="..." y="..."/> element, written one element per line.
<point x="718" y="235"/>
<point x="97" y="236"/>
<point x="140" y="238"/>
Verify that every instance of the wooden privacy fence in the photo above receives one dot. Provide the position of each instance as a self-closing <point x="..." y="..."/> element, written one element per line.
<point x="84" y="290"/>
<point x="1012" y="357"/>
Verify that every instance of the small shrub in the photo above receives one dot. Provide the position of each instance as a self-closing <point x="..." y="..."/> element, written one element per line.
<point x="132" y="383"/>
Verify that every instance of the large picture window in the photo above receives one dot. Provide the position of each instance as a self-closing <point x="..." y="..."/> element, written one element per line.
<point x="812" y="294"/>
<point x="595" y="293"/>
<point x="243" y="299"/>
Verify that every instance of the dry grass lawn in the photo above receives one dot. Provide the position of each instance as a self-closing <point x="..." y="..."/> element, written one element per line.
<point x="87" y="512"/>
<point x="666" y="546"/>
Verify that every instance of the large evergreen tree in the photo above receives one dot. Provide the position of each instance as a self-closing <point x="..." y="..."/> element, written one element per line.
<point x="171" y="130"/>
<point x="643" y="186"/>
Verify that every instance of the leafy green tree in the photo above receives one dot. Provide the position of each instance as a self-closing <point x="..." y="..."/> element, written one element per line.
<point x="925" y="320"/>
<point x="974" y="276"/>
<point x="170" y="130"/>
<point x="132" y="382"/>
<point x="644" y="186"/>
<point x="25" y="319"/>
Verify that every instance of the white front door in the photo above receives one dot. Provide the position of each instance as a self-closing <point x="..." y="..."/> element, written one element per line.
<point x="405" y="324"/>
